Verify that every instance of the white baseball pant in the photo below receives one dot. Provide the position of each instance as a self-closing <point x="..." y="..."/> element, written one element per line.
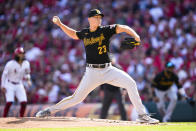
<point x="172" y="94"/>
<point x="94" y="77"/>
<point x="13" y="90"/>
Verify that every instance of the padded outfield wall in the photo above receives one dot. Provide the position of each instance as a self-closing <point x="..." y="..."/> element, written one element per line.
<point x="182" y="112"/>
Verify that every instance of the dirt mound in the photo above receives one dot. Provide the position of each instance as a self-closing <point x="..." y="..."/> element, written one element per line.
<point x="59" y="122"/>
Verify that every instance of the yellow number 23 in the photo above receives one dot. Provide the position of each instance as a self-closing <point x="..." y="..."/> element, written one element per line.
<point x="102" y="49"/>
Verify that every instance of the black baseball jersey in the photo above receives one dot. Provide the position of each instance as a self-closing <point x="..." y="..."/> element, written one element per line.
<point x="97" y="43"/>
<point x="164" y="80"/>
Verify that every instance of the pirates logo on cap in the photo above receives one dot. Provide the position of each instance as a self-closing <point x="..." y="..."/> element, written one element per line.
<point x="95" y="12"/>
<point x="98" y="12"/>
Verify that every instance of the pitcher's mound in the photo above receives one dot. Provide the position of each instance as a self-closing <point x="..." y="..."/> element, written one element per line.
<point x="60" y="122"/>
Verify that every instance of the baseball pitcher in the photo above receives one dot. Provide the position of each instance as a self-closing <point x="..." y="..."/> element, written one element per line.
<point x="99" y="69"/>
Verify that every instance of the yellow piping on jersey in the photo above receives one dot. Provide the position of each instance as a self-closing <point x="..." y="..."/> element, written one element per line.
<point x="166" y="83"/>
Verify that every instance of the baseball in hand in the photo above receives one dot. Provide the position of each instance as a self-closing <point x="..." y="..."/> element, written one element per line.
<point x="54" y="20"/>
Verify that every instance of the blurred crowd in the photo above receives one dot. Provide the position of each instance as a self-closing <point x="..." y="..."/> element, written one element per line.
<point x="167" y="29"/>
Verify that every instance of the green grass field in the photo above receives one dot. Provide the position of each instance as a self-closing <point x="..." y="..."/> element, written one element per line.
<point x="186" y="126"/>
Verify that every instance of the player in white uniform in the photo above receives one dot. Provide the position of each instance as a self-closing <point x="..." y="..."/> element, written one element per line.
<point x="99" y="69"/>
<point x="14" y="73"/>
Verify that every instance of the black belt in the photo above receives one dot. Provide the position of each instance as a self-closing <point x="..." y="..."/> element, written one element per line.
<point x="98" y="65"/>
<point x="15" y="83"/>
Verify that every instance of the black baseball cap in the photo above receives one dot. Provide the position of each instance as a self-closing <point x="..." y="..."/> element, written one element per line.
<point x="95" y="12"/>
<point x="169" y="65"/>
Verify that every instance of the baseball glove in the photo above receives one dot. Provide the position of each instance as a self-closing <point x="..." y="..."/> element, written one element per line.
<point x="129" y="43"/>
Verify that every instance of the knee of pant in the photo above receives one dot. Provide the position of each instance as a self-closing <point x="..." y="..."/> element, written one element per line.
<point x="173" y="100"/>
<point x="130" y="84"/>
<point x="133" y="83"/>
<point x="77" y="98"/>
<point x="160" y="105"/>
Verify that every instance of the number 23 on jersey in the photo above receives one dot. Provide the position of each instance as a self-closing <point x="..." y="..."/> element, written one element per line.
<point x="102" y="49"/>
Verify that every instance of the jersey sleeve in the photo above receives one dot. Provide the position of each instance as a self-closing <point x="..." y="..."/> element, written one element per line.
<point x="156" y="80"/>
<point x="111" y="29"/>
<point x="4" y="74"/>
<point x="27" y="71"/>
<point x="80" y="34"/>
